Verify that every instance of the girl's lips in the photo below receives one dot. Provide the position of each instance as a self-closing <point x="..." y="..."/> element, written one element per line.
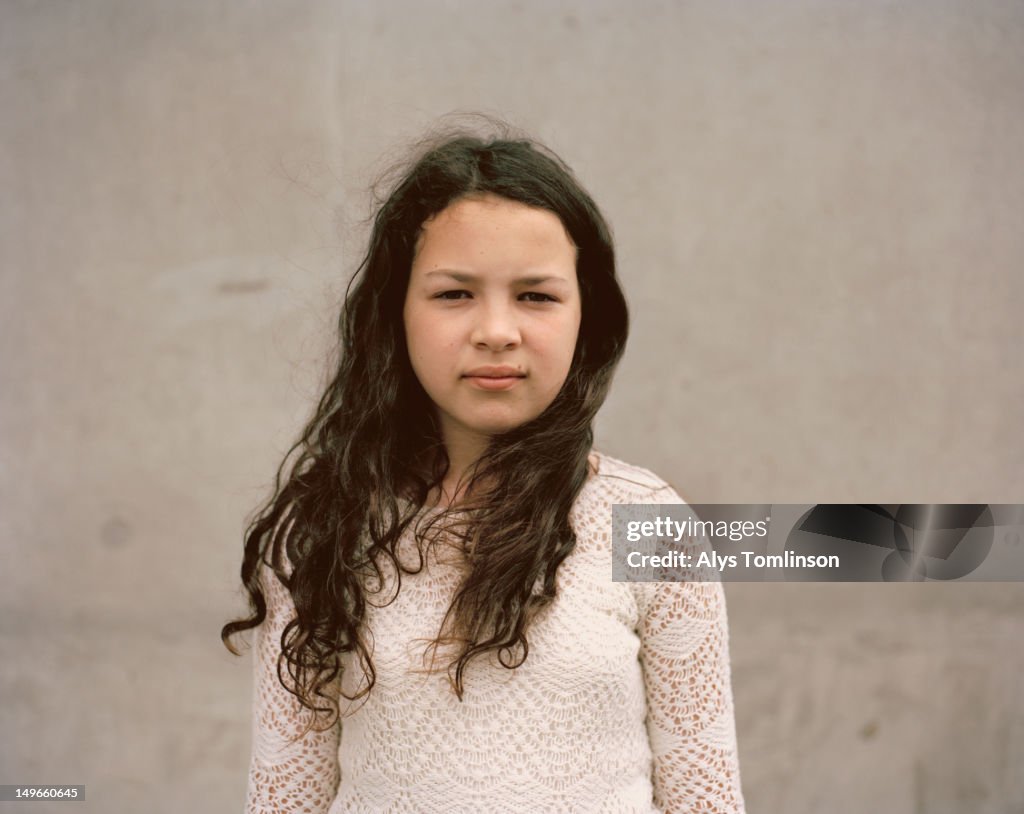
<point x="494" y="382"/>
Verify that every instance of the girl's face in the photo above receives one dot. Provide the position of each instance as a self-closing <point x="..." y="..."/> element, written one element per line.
<point x="491" y="314"/>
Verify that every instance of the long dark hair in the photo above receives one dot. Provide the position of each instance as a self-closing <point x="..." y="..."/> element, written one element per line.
<point x="372" y="453"/>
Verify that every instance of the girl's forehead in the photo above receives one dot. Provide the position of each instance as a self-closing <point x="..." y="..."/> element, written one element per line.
<point x="489" y="225"/>
<point x="488" y="209"/>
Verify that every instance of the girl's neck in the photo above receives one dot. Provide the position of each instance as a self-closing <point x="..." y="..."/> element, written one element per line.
<point x="464" y="450"/>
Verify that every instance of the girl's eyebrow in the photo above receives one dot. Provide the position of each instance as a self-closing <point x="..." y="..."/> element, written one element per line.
<point x="463" y="277"/>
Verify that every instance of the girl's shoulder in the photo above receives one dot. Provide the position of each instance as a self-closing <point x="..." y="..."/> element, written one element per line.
<point x="619" y="482"/>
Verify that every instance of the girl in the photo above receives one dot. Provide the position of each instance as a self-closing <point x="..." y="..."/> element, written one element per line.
<point x="437" y="626"/>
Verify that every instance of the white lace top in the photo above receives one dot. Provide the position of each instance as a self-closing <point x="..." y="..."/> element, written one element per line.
<point x="624" y="703"/>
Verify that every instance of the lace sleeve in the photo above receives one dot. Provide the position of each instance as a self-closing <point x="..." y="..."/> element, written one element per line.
<point x="299" y="776"/>
<point x="691" y="723"/>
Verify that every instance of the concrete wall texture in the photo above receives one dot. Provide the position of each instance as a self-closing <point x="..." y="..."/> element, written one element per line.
<point x="818" y="208"/>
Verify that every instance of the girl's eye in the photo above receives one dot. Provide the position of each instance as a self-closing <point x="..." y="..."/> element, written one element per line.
<point x="536" y="296"/>
<point x="451" y="295"/>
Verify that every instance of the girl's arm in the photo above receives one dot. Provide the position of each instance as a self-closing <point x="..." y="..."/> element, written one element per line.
<point x="300" y="776"/>
<point x="684" y="651"/>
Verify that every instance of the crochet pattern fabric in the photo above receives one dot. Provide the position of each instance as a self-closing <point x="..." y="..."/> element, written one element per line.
<point x="624" y="703"/>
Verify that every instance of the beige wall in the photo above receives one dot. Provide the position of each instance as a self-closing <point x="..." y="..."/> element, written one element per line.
<point x="818" y="212"/>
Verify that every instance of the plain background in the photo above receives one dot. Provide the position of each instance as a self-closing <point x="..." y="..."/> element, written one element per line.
<point x="818" y="211"/>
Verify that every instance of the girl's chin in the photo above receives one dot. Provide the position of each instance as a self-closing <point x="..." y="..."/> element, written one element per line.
<point x="487" y="420"/>
<point x="497" y="428"/>
<point x="495" y="425"/>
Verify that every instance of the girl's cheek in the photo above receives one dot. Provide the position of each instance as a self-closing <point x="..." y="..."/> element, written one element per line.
<point x="563" y="327"/>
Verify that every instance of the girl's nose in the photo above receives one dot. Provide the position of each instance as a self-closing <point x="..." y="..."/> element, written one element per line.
<point x="495" y="329"/>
